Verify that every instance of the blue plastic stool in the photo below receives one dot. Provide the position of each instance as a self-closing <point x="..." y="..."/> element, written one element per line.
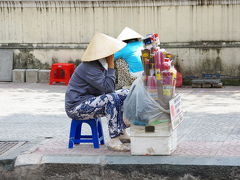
<point x="76" y="137"/>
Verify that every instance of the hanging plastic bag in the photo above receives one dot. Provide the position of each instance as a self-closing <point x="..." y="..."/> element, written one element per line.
<point x="140" y="108"/>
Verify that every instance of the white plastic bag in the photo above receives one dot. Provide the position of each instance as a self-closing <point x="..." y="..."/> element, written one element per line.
<point x="140" y="108"/>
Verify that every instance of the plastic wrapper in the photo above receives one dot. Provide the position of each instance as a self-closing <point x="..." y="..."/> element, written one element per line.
<point x="148" y="100"/>
<point x="141" y="109"/>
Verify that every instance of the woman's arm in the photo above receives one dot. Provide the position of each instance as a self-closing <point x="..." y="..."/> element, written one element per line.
<point x="97" y="78"/>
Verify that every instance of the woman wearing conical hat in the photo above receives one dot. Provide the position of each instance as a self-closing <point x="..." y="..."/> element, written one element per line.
<point x="91" y="90"/>
<point x="132" y="52"/>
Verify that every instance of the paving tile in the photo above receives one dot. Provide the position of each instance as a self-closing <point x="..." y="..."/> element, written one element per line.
<point x="56" y="147"/>
<point x="198" y="148"/>
<point x="229" y="149"/>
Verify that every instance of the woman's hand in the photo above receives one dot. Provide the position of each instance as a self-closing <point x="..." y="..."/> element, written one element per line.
<point x="110" y="61"/>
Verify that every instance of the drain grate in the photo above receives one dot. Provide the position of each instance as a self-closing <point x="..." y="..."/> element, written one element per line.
<point x="7" y="145"/>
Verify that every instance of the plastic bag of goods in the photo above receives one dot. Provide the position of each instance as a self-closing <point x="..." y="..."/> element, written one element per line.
<point x="140" y="108"/>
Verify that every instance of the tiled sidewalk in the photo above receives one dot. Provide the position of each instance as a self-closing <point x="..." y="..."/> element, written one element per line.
<point x="36" y="112"/>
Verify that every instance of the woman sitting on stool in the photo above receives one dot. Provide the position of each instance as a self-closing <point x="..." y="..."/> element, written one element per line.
<point x="91" y="90"/>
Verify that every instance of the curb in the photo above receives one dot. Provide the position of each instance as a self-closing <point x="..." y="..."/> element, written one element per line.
<point x="124" y="167"/>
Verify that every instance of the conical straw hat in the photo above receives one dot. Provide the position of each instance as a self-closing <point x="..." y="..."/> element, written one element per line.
<point x="102" y="46"/>
<point x="128" y="33"/>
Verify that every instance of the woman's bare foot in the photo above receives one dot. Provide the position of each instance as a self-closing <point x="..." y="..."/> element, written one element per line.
<point x="125" y="138"/>
<point x="116" y="145"/>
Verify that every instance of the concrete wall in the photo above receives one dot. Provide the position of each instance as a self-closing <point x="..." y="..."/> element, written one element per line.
<point x="195" y="61"/>
<point x="201" y="32"/>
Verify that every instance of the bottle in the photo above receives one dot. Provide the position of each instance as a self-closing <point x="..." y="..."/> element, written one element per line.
<point x="146" y="61"/>
<point x="162" y="61"/>
<point x="167" y="84"/>
<point x="157" y="61"/>
<point x="173" y="71"/>
<point x="157" y="41"/>
<point x="152" y="87"/>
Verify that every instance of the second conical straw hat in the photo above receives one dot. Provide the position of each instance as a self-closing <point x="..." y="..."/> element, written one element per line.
<point x="127" y="33"/>
<point x="102" y="46"/>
